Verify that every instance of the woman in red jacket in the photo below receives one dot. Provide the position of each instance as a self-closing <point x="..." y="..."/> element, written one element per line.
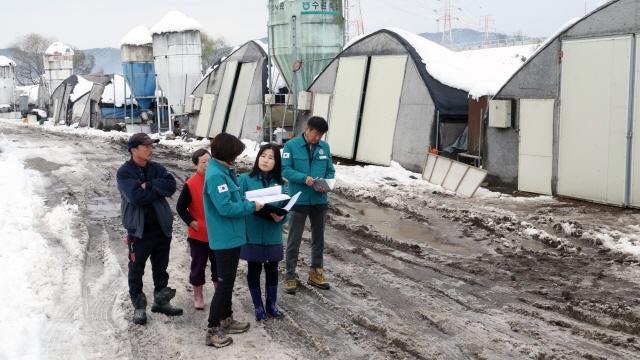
<point x="191" y="210"/>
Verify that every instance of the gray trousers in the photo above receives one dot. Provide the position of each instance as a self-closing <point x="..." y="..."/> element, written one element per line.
<point x="297" y="218"/>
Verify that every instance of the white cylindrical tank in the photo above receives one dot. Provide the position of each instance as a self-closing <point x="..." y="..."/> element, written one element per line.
<point x="7" y="80"/>
<point x="136" y="51"/>
<point x="177" y="54"/>
<point x="58" y="64"/>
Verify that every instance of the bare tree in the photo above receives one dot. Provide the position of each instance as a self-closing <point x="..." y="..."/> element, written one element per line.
<point x="28" y="54"/>
<point x="82" y="62"/>
<point x="213" y="49"/>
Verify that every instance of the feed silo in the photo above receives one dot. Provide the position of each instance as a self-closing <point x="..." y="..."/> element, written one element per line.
<point x="177" y="54"/>
<point x="310" y="31"/>
<point x="58" y="64"/>
<point x="136" y="52"/>
<point x="7" y="80"/>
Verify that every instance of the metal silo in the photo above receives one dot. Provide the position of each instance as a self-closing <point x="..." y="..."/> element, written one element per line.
<point x="58" y="64"/>
<point x="7" y="80"/>
<point x="177" y="54"/>
<point x="310" y="31"/>
<point x="136" y="51"/>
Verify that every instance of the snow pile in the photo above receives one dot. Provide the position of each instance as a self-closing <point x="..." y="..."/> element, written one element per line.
<point x="138" y="36"/>
<point x="81" y="88"/>
<point x="175" y="21"/>
<point x="122" y="92"/>
<point x="5" y="61"/>
<point x="479" y="72"/>
<point x="30" y="274"/>
<point x="58" y="48"/>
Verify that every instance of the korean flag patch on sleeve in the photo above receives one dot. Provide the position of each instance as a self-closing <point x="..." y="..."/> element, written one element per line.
<point x="286" y="155"/>
<point x="223" y="188"/>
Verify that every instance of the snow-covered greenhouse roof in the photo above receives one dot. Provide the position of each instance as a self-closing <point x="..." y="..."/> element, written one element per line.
<point x="175" y="21"/>
<point x="5" y="61"/>
<point x="58" y="48"/>
<point x="477" y="72"/>
<point x="139" y="35"/>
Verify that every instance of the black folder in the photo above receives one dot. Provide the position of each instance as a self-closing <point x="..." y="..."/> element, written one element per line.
<point x="267" y="209"/>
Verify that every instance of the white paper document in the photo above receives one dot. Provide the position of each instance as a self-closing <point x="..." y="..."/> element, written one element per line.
<point x="292" y="202"/>
<point x="267" y="195"/>
<point x="324" y="184"/>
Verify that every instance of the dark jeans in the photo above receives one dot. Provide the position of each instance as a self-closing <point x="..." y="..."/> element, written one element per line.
<point x="154" y="246"/>
<point x="200" y="254"/>
<point x="227" y="264"/>
<point x="270" y="272"/>
<point x="297" y="217"/>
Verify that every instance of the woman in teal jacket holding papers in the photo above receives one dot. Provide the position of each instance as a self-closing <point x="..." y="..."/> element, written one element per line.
<point x="264" y="233"/>
<point x="225" y="209"/>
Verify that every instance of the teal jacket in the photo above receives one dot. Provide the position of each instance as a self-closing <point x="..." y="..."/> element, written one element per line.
<point x="261" y="231"/>
<point x="224" y="207"/>
<point x="298" y="162"/>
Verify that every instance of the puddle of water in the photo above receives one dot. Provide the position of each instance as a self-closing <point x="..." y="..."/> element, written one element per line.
<point x="100" y="207"/>
<point x="41" y="165"/>
<point x="391" y="223"/>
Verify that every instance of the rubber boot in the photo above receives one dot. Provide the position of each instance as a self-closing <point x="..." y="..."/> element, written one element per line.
<point x="198" y="297"/>
<point x="272" y="298"/>
<point x="140" y="309"/>
<point x="161" y="302"/>
<point x="256" y="296"/>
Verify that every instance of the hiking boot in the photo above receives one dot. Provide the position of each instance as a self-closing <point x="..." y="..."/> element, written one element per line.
<point x="272" y="298"/>
<point x="140" y="309"/>
<point x="198" y="297"/>
<point x="291" y="285"/>
<point x="217" y="338"/>
<point x="231" y="326"/>
<point x="316" y="278"/>
<point x="161" y="302"/>
<point x="256" y="297"/>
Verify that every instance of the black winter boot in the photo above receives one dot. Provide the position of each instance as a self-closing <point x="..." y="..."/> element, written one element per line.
<point x="140" y="309"/>
<point x="161" y="302"/>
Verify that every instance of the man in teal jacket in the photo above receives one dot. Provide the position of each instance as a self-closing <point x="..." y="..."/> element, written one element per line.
<point x="305" y="159"/>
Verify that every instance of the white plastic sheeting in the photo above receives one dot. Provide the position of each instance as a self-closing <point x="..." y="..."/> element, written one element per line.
<point x="206" y="113"/>
<point x="345" y="110"/>
<point x="382" y="100"/>
<point x="224" y="97"/>
<point x="535" y="163"/>
<point x="594" y="98"/>
<point x="321" y="104"/>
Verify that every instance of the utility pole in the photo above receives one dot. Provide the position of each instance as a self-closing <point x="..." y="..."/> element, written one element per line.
<point x="354" y="25"/>
<point x="487" y="25"/>
<point x="447" y="19"/>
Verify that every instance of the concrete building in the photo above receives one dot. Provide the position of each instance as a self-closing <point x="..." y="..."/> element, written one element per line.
<point x="564" y="123"/>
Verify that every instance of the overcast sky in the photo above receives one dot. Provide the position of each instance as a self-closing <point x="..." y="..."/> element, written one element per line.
<point x="90" y="24"/>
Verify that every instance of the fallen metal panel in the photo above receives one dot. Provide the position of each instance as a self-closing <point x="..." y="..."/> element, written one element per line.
<point x="454" y="176"/>
<point x="345" y="109"/>
<point x="240" y="99"/>
<point x="471" y="182"/>
<point x="224" y="97"/>
<point x="430" y="165"/>
<point x="206" y="112"/>
<point x="440" y="170"/>
<point x="321" y="104"/>
<point x="382" y="100"/>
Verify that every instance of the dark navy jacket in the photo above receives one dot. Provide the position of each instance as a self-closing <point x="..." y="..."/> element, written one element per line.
<point x="160" y="184"/>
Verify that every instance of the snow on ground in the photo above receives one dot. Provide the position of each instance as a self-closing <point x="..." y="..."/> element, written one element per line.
<point x="30" y="274"/>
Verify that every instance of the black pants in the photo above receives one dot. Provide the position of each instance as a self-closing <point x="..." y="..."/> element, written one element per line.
<point x="270" y="272"/>
<point x="297" y="217"/>
<point x="200" y="254"/>
<point x="227" y="264"/>
<point x="154" y="246"/>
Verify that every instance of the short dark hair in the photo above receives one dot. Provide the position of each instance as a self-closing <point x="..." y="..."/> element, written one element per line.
<point x="318" y="124"/>
<point x="195" y="157"/>
<point x="226" y="147"/>
<point x="277" y="167"/>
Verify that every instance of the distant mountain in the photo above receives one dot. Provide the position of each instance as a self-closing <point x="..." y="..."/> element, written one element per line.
<point x="469" y="37"/>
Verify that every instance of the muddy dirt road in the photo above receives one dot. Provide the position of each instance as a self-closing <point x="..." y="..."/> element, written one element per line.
<point x="414" y="275"/>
